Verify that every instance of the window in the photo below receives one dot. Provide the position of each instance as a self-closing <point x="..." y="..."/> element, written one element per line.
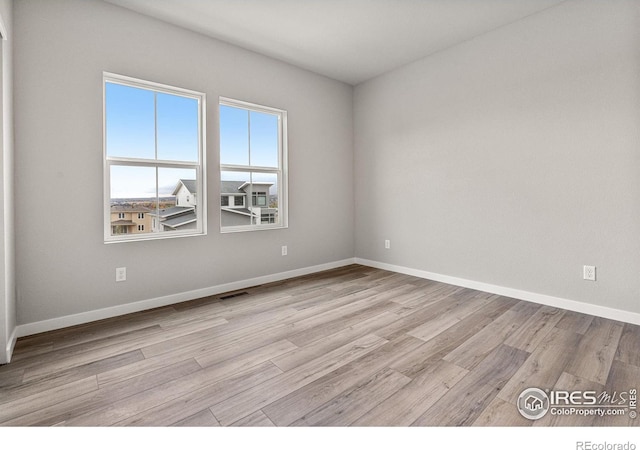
<point x="120" y="215"/>
<point x="253" y="165"/>
<point x="120" y="229"/>
<point x="267" y="218"/>
<point x="153" y="150"/>
<point x="224" y="200"/>
<point x="259" y="198"/>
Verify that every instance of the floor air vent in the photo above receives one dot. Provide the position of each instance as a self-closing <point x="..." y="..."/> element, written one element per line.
<point x="237" y="294"/>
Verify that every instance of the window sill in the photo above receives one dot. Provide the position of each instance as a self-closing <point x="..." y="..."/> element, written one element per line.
<point x="242" y="229"/>
<point x="152" y="237"/>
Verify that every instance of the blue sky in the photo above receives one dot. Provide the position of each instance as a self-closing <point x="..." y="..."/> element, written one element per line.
<point x="130" y="124"/>
<point x="134" y="116"/>
<point x="237" y="148"/>
<point x="234" y="137"/>
<point x="140" y="182"/>
<point x="131" y="132"/>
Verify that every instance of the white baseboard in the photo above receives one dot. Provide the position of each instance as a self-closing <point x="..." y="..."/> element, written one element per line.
<point x="114" y="311"/>
<point x="556" y="302"/>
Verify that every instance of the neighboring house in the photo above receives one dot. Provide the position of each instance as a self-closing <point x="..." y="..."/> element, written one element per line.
<point x="130" y="219"/>
<point x="243" y="203"/>
<point x="182" y="216"/>
<point x="185" y="193"/>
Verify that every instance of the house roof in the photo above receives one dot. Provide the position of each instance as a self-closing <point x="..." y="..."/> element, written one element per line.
<point x="235" y="187"/>
<point x="246" y="183"/>
<point x="242" y="211"/>
<point x="190" y="185"/>
<point x="122" y="222"/>
<point x="129" y="208"/>
<point x="230" y="187"/>
<point x="179" y="221"/>
<point x="173" y="211"/>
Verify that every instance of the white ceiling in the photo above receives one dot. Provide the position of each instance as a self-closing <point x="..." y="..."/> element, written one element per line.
<point x="349" y="40"/>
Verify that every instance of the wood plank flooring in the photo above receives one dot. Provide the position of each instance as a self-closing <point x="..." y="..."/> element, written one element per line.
<point x="352" y="346"/>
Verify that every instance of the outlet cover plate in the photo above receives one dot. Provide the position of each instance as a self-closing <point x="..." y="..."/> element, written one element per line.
<point x="589" y="273"/>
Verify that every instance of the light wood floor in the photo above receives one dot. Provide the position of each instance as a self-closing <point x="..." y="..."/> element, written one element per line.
<point x="353" y="346"/>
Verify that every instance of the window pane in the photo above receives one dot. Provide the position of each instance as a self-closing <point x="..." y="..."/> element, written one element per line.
<point x="264" y="139"/>
<point x="130" y="129"/>
<point x="265" y="192"/>
<point x="177" y="127"/>
<point x="232" y="184"/>
<point x="128" y="182"/>
<point x="255" y="198"/>
<point x="236" y="213"/>
<point x="234" y="135"/>
<point x="170" y="180"/>
<point x="178" y="200"/>
<point x="133" y="198"/>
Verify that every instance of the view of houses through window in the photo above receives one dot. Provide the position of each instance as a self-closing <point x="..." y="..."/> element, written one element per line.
<point x="153" y="159"/>
<point x="252" y="166"/>
<point x="248" y="199"/>
<point x="170" y="213"/>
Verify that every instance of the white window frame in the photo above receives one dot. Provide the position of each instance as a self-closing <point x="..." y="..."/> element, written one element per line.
<point x="199" y="166"/>
<point x="281" y="171"/>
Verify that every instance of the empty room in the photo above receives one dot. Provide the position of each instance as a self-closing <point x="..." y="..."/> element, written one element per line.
<point x="306" y="213"/>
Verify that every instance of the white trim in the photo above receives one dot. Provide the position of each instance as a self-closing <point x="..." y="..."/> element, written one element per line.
<point x="3" y="30"/>
<point x="114" y="311"/>
<point x="145" y="84"/>
<point x="9" y="265"/>
<point x="556" y="302"/>
<point x="234" y="103"/>
<point x="10" y="346"/>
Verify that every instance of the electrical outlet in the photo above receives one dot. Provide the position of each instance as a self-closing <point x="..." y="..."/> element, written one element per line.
<point x="387" y="244"/>
<point x="589" y="273"/>
<point x="284" y="250"/>
<point x="121" y="274"/>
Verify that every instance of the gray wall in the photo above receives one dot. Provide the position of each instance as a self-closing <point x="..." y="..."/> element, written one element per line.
<point x="7" y="241"/>
<point x="64" y="267"/>
<point x="513" y="158"/>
